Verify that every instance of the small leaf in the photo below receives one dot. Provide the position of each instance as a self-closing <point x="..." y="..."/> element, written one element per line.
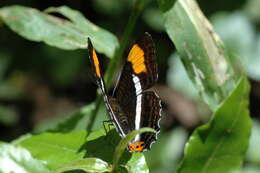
<point x="137" y="164"/>
<point x="55" y="149"/>
<point x="220" y="145"/>
<point x="91" y="165"/>
<point x="17" y="159"/>
<point x="38" y="26"/>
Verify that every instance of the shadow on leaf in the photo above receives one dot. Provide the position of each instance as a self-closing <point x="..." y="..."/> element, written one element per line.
<point x="103" y="147"/>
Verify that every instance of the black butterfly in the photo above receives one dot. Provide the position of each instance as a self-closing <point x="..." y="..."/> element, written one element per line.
<point x="132" y="107"/>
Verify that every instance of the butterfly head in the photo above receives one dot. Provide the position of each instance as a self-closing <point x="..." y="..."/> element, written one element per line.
<point x="136" y="146"/>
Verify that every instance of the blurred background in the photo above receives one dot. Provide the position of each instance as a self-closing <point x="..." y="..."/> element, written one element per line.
<point x="42" y="85"/>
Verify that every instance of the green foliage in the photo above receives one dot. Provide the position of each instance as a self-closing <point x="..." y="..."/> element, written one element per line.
<point x="55" y="149"/>
<point x="67" y="151"/>
<point x="222" y="141"/>
<point x="201" y="51"/>
<point x="217" y="146"/>
<point x="39" y="26"/>
<point x="17" y="159"/>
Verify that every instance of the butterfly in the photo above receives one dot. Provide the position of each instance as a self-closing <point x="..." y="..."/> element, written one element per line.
<point x="132" y="106"/>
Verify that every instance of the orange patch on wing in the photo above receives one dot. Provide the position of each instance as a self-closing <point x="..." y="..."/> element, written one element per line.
<point x="96" y="63"/>
<point x="136" y="57"/>
<point x="136" y="147"/>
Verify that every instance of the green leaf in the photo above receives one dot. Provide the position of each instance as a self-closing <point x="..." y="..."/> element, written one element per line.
<point x="65" y="34"/>
<point x="220" y="145"/>
<point x="137" y="163"/>
<point x="55" y="149"/>
<point x="201" y="51"/>
<point x="92" y="165"/>
<point x="17" y="159"/>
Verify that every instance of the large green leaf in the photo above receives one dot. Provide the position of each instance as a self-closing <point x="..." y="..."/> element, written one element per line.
<point x="18" y="160"/>
<point x="220" y="145"/>
<point x="55" y="149"/>
<point x="65" y="34"/>
<point x="65" y="151"/>
<point x="201" y="51"/>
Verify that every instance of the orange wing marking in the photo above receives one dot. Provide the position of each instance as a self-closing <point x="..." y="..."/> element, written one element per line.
<point x="136" y="57"/>
<point x="96" y="63"/>
<point x="136" y="147"/>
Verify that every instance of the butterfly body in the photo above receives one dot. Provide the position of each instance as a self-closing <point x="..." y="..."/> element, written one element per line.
<point x="132" y="106"/>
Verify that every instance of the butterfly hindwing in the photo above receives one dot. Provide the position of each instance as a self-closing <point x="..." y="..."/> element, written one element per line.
<point x="150" y="116"/>
<point x="147" y="114"/>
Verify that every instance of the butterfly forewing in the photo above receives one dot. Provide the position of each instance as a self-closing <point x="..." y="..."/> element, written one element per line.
<point x="95" y="66"/>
